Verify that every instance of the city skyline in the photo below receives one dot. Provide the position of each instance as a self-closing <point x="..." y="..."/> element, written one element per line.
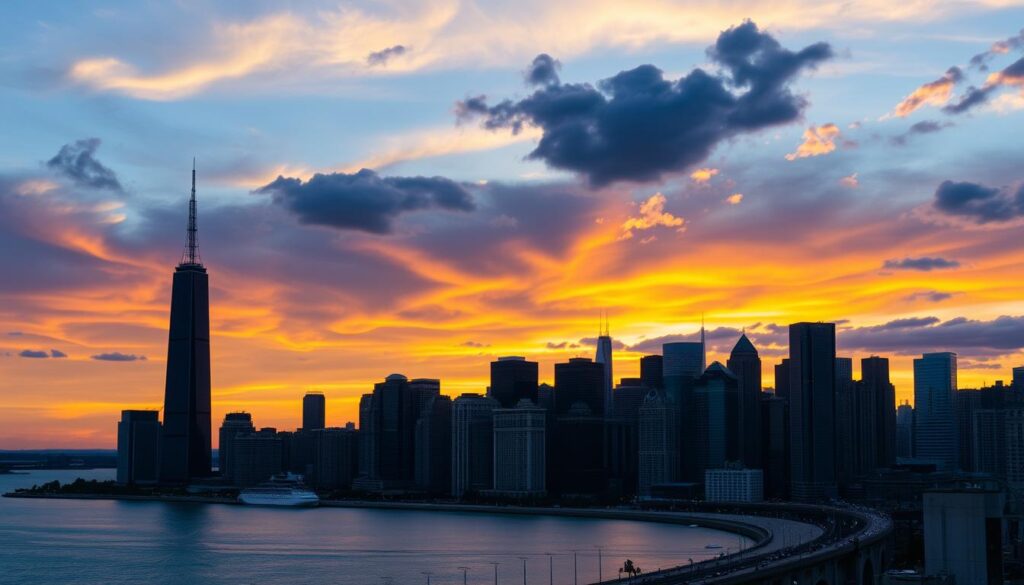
<point x="492" y="242"/>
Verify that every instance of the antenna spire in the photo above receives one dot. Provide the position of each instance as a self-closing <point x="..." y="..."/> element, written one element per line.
<point x="703" y="347"/>
<point x="191" y="255"/>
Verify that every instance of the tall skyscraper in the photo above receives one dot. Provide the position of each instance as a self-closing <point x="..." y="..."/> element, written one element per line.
<point x="579" y="380"/>
<point x="963" y="535"/>
<point x="716" y="401"/>
<point x="936" y="436"/>
<point x="603" y="356"/>
<point x="1018" y="379"/>
<point x="905" y="431"/>
<point x="334" y="458"/>
<point x="434" y="446"/>
<point x="234" y="423"/>
<point x="682" y="363"/>
<point x="185" y="450"/>
<point x="256" y="457"/>
<point x="812" y="379"/>
<point x="847" y="451"/>
<point x="652" y="372"/>
<point x="782" y="379"/>
<point x="388" y="431"/>
<point x="520" y="464"/>
<point x="513" y="378"/>
<point x="472" y="443"/>
<point x="138" y="441"/>
<point x="775" y="445"/>
<point x="658" y="442"/>
<point x="314" y="411"/>
<point x="745" y="364"/>
<point x="874" y="372"/>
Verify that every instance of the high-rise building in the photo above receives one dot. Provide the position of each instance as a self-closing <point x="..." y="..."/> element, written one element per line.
<point x="579" y="380"/>
<point x="812" y="379"/>
<point x="1018" y="379"/>
<point x="745" y="364"/>
<point x="513" y="378"/>
<point x="1014" y="445"/>
<point x="905" y="431"/>
<point x="734" y="485"/>
<point x="963" y="535"/>
<point x="622" y="434"/>
<point x="185" y="450"/>
<point x="138" y="442"/>
<point x="775" y="445"/>
<point x="388" y="422"/>
<point x="716" y="402"/>
<point x="519" y="450"/>
<point x="874" y="372"/>
<point x="255" y="457"/>
<point x="603" y="356"/>
<point x="314" y="411"/>
<point x="472" y="443"/>
<point x="234" y="423"/>
<point x="652" y="372"/>
<point x="658" y="442"/>
<point x="579" y="465"/>
<point x="936" y="437"/>
<point x="434" y="446"/>
<point x="335" y="455"/>
<point x="367" y="439"/>
<point x="847" y="418"/>
<point x="682" y="363"/>
<point x="782" y="379"/>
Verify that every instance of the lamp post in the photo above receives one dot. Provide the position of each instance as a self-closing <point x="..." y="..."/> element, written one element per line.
<point x="495" y="563"/>
<point x="575" y="580"/>
<point x="428" y="574"/>
<point x="600" y="578"/>
<point x="524" y="569"/>
<point x="551" y="568"/>
<point x="464" y="571"/>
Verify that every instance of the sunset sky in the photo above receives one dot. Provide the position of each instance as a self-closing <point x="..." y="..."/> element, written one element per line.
<point x="530" y="165"/>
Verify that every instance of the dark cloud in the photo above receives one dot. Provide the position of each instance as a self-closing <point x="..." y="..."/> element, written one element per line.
<point x="996" y="337"/>
<point x="561" y="345"/>
<point x="543" y="70"/>
<point x="971" y="365"/>
<point x="637" y="125"/>
<point x="592" y="342"/>
<point x="476" y="344"/>
<point x="77" y="162"/>
<point x="711" y="337"/>
<point x="908" y="322"/>
<point x="56" y="353"/>
<point x="974" y="96"/>
<point x="32" y="353"/>
<point x="980" y="61"/>
<point x="979" y="203"/>
<point x="931" y="295"/>
<point x="924" y="264"/>
<point x="365" y="201"/>
<point x="384" y="55"/>
<point x="118" y="357"/>
<point x="922" y="127"/>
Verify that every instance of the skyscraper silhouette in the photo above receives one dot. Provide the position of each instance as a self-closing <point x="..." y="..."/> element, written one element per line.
<point x="745" y="364"/>
<point x="603" y="356"/>
<point x="812" y="381"/>
<point x="935" y="427"/>
<point x="185" y="441"/>
<point x="314" y="411"/>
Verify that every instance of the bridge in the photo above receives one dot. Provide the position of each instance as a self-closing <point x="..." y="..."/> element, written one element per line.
<point x="794" y="544"/>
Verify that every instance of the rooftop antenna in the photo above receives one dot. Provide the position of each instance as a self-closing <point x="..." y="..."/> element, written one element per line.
<point x="191" y="255"/>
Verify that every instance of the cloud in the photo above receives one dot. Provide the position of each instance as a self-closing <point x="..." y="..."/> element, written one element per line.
<point x="652" y="214"/>
<point x="118" y="357"/>
<point x="637" y="125"/>
<point x="922" y="127"/>
<point x="981" y="60"/>
<point x="1012" y="75"/>
<point x="543" y="70"/>
<point x="818" y="141"/>
<point x="365" y="201"/>
<point x="561" y="345"/>
<point x="850" y="181"/>
<point x="999" y="336"/>
<point x="935" y="93"/>
<point x="56" y="353"/>
<point x="718" y="335"/>
<point x="924" y="264"/>
<point x="931" y="295"/>
<point x="380" y="58"/>
<point x="475" y="344"/>
<point x="734" y="199"/>
<point x="77" y="162"/>
<point x="703" y="175"/>
<point x="979" y="203"/>
<point x="617" y="345"/>
<point x="32" y="353"/>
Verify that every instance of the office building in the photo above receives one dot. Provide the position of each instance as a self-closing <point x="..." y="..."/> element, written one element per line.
<point x="874" y="372"/>
<point x="255" y="457"/>
<point x="603" y="356"/>
<point x="936" y="436"/>
<point x="652" y="372"/>
<point x="513" y="378"/>
<point x="434" y="446"/>
<point x="578" y="467"/>
<point x="472" y="444"/>
<point x="335" y="456"/>
<point x="745" y="364"/>
<point x="579" y="380"/>
<point x="314" y="411"/>
<point x="234" y="423"/>
<point x="846" y="417"/>
<point x="782" y="379"/>
<point x="520" y="463"/>
<point x="1018" y="379"/>
<point x="658" y="443"/>
<point x="138" y="447"/>
<point x="812" y="379"/>
<point x="185" y="449"/>
<point x="1013" y="418"/>
<point x="963" y="535"/>
<point x="388" y="418"/>
<point x="775" y="445"/>
<point x="682" y="363"/>
<point x="734" y="485"/>
<point x="716" y="404"/>
<point x="904" y="431"/>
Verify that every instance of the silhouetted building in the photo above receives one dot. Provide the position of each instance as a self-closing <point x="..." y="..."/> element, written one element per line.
<point x="875" y="377"/>
<point x="963" y="535"/>
<point x="1014" y="444"/>
<point x="255" y="457"/>
<point x="652" y="372"/>
<point x="472" y="443"/>
<point x="905" y="431"/>
<point x="812" y="378"/>
<point x="716" y="401"/>
<point x="734" y="485"/>
<point x="775" y="445"/>
<point x="1018" y="379"/>
<point x="513" y="379"/>
<point x="623" y="438"/>
<point x="579" y="452"/>
<point x="745" y="364"/>
<point x="335" y="457"/>
<point x="936" y="436"/>
<point x="658" y="442"/>
<point x="234" y="423"/>
<point x="603" y="356"/>
<point x="847" y="423"/>
<point x="782" y="379"/>
<point x="138" y="447"/>
<point x="520" y="463"/>
<point x="434" y="446"/>
<point x="388" y="418"/>
<point x="314" y="411"/>
<point x="683" y="363"/>
<point x="579" y="380"/>
<point x="367" y="439"/>
<point x="185" y="449"/>
<point x="299" y="451"/>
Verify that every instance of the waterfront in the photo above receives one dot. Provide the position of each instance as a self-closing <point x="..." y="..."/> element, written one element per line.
<point x="102" y="541"/>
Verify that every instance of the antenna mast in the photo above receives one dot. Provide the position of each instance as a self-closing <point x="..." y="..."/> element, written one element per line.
<point x="191" y="255"/>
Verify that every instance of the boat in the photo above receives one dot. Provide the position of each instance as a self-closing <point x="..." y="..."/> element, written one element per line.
<point x="281" y="490"/>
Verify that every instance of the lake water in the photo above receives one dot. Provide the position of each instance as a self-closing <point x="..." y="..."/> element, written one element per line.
<point x="156" y="543"/>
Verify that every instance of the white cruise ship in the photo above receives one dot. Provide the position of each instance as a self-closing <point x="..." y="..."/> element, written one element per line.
<point x="281" y="490"/>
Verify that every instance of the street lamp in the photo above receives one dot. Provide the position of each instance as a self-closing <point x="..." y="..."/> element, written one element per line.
<point x="428" y="574"/>
<point x="524" y="569"/>
<point x="464" y="570"/>
<point x="575" y="580"/>
<point x="551" y="568"/>
<point x="495" y="563"/>
<point x="600" y="579"/>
